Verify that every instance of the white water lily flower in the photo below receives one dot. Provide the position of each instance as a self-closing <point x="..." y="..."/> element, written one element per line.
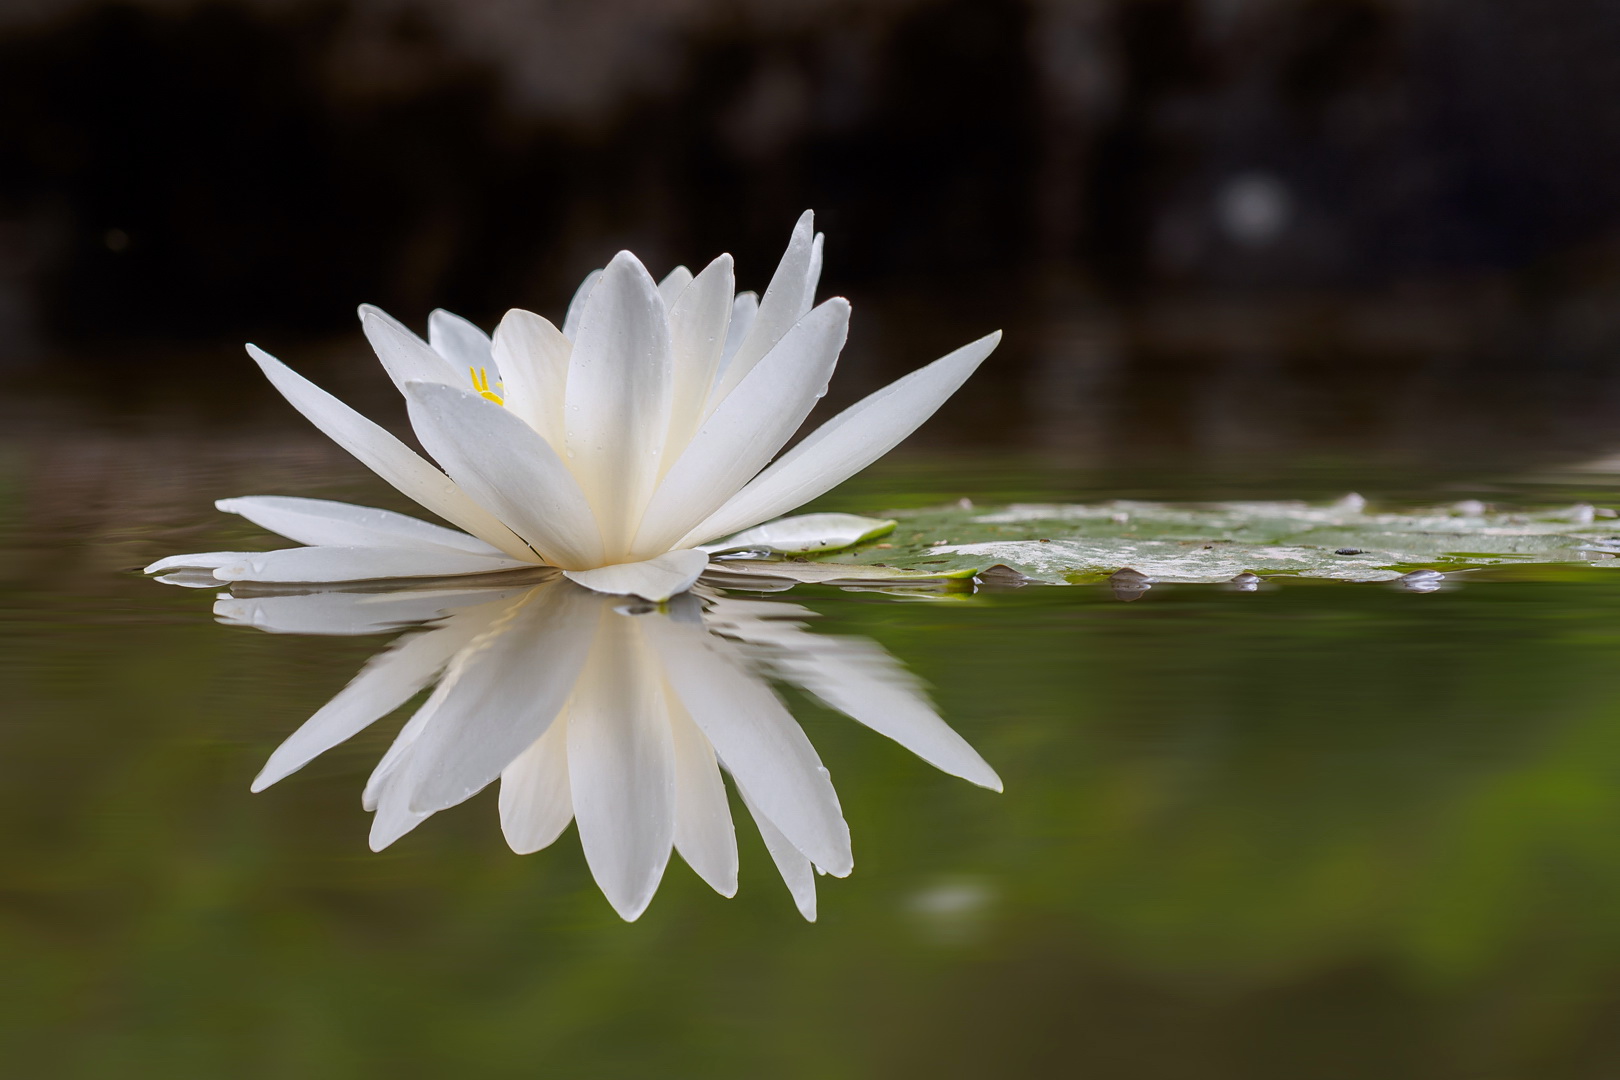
<point x="613" y="449"/>
<point x="618" y="717"/>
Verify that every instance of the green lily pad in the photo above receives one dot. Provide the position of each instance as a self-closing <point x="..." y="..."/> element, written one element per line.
<point x="1215" y="542"/>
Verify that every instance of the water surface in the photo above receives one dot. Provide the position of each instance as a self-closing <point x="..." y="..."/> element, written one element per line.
<point x="1318" y="830"/>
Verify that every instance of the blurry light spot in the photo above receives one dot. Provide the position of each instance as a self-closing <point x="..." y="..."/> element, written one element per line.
<point x="115" y="239"/>
<point x="1253" y="208"/>
<point x="952" y="912"/>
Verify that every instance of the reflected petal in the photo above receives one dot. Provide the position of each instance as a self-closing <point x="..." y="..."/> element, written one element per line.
<point x="798" y="873"/>
<point x="759" y="742"/>
<point x="536" y="802"/>
<point x="704" y="834"/>
<point x="621" y="768"/>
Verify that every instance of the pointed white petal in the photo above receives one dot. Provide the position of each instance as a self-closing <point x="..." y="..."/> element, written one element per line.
<point x="392" y="821"/>
<point x="621" y="768"/>
<point x="309" y="565"/>
<point x="202" y="560"/>
<point x="744" y="310"/>
<point x="322" y="522"/>
<point x="704" y="834"/>
<point x="748" y="428"/>
<point x="500" y="695"/>
<point x="797" y="872"/>
<point x="576" y="306"/>
<point x="779" y="308"/>
<point x="698" y="321"/>
<point x="805" y="533"/>
<point x="812" y="279"/>
<point x="405" y="356"/>
<point x="384" y="795"/>
<point x="674" y="283"/>
<point x="656" y="579"/>
<point x="462" y="344"/>
<point x="386" y="456"/>
<point x="501" y="461"/>
<point x="760" y="743"/>
<point x="383" y="782"/>
<point x="388" y="681"/>
<point x="536" y="805"/>
<point x="533" y="357"/>
<point x="862" y="681"/>
<point x="847" y="443"/>
<point x="618" y="398"/>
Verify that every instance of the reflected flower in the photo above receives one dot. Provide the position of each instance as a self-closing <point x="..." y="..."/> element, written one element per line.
<point x="614" y="448"/>
<point x="617" y="715"/>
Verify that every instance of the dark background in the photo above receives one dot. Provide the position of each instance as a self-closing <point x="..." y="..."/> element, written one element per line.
<point x="1381" y="229"/>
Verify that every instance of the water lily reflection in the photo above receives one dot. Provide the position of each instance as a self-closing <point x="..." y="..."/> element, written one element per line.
<point x="616" y="714"/>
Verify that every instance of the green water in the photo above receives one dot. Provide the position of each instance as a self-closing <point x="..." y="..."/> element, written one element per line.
<point x="1320" y="830"/>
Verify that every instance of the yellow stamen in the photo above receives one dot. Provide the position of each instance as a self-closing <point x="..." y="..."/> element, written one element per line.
<point x="480" y="383"/>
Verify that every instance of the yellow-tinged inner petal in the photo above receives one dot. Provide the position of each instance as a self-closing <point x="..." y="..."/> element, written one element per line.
<point x="480" y="383"/>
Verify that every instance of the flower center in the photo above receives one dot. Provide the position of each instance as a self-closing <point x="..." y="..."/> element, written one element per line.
<point x="480" y="383"/>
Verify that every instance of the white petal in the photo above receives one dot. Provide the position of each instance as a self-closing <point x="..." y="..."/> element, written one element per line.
<point x="698" y="321"/>
<point x="744" y="310"/>
<point x="862" y="681"/>
<point x="704" y="834"/>
<point x="386" y="456"/>
<point x="500" y="461"/>
<point x="405" y="356"/>
<point x="462" y="344"/>
<point x="392" y="821"/>
<point x="779" y="308"/>
<point x="797" y="872"/>
<point x="322" y="564"/>
<point x="202" y="560"/>
<point x="674" y="283"/>
<point x="748" y="428"/>
<point x="383" y="782"/>
<point x="576" y="306"/>
<point x="655" y="579"/>
<point x="384" y="794"/>
<point x="621" y="768"/>
<point x="847" y="443"/>
<point x="618" y="398"/>
<point x="388" y="681"/>
<point x="805" y="533"/>
<point x="533" y="357"/>
<point x="535" y="803"/>
<point x="335" y="524"/>
<point x="812" y="278"/>
<point x="500" y="695"/>
<point x="759" y="742"/>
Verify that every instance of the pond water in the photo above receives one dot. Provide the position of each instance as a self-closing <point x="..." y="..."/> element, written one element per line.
<point x="1319" y="829"/>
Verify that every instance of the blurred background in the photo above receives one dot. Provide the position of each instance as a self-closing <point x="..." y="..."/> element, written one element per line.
<point x="1214" y="229"/>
